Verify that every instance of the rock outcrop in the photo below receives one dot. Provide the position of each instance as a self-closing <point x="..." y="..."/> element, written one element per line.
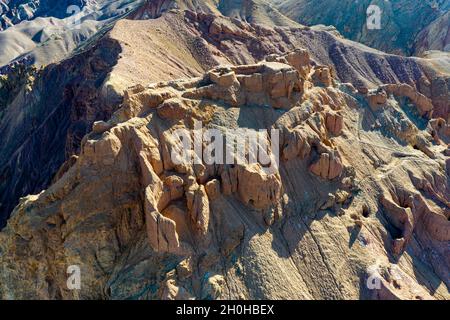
<point x="344" y="195"/>
<point x="398" y="32"/>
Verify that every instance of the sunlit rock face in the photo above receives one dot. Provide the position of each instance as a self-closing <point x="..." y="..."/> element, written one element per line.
<point x="356" y="207"/>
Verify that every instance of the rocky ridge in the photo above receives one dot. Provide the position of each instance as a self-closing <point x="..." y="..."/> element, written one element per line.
<point x="361" y="193"/>
<point x="13" y="12"/>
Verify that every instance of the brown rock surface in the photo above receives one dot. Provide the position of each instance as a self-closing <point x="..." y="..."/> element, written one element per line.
<point x="341" y="207"/>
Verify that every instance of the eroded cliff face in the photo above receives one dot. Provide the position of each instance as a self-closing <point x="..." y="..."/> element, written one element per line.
<point x="45" y="115"/>
<point x="360" y="194"/>
<point x="63" y="101"/>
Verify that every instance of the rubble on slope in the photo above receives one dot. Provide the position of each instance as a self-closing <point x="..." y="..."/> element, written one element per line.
<point x="134" y="218"/>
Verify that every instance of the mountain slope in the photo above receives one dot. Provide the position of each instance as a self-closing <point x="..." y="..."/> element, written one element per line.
<point x="401" y="21"/>
<point x="361" y="192"/>
<point x="48" y="39"/>
<point x="13" y="12"/>
<point x="151" y="59"/>
<point x="52" y="31"/>
<point x="436" y="36"/>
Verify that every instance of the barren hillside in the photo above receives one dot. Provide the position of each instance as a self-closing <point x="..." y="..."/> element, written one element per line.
<point x="360" y="194"/>
<point x="404" y="24"/>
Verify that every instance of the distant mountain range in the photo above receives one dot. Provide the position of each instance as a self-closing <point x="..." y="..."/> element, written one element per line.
<point x="91" y="105"/>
